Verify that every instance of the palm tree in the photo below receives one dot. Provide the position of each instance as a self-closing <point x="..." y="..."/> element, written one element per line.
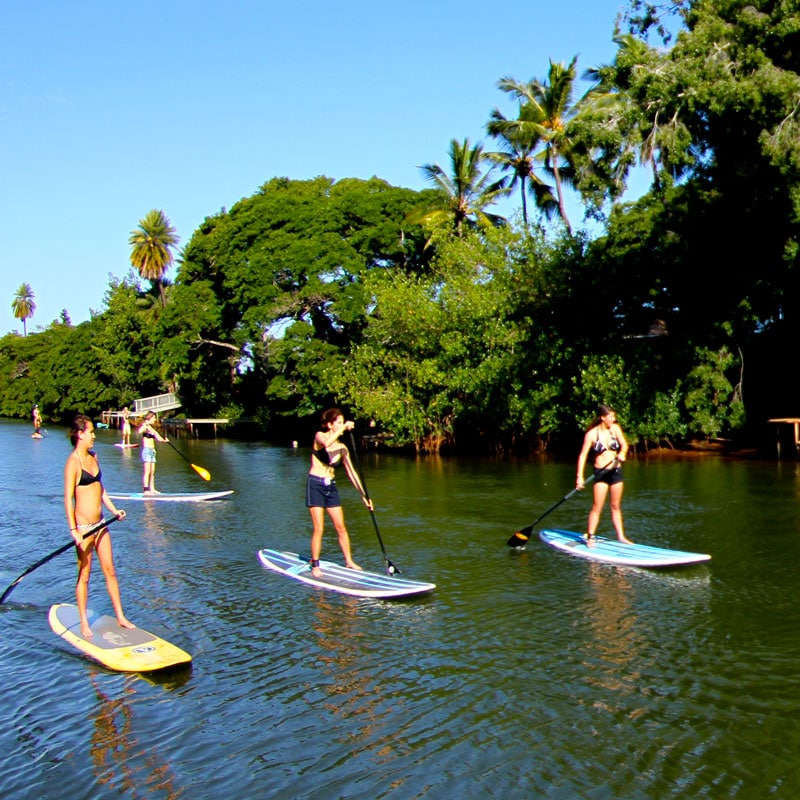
<point x="546" y="108"/>
<point x="23" y="305"/>
<point x="519" y="140"/>
<point x="467" y="190"/>
<point x="151" y="248"/>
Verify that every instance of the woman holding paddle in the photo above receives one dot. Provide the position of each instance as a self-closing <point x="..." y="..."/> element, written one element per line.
<point x="605" y="444"/>
<point x="84" y="498"/>
<point x="327" y="453"/>
<point x="149" y="438"/>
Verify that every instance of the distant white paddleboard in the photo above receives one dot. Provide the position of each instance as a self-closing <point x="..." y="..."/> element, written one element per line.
<point x="336" y="578"/>
<point x="170" y="497"/>
<point x="126" y="446"/>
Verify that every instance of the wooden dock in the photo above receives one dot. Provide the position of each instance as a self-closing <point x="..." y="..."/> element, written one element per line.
<point x="795" y="422"/>
<point x="191" y="425"/>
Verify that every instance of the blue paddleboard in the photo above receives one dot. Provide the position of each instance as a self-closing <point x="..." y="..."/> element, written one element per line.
<point x="611" y="551"/>
<point x="336" y="578"/>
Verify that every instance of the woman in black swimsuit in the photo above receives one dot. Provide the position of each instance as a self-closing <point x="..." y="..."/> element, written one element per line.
<point x="605" y="443"/>
<point x="84" y="498"/>
<point x="327" y="453"/>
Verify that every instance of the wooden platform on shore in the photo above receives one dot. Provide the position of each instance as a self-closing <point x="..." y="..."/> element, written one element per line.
<point x="795" y="422"/>
<point x="191" y="425"/>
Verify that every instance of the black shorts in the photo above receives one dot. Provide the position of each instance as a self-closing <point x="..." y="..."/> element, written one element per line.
<point x="321" y="493"/>
<point x="609" y="476"/>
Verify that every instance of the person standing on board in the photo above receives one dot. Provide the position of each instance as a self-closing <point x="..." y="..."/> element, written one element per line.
<point x="126" y="427"/>
<point x="327" y="453"/>
<point x="605" y="444"/>
<point x="84" y="498"/>
<point x="36" y="417"/>
<point x="149" y="438"/>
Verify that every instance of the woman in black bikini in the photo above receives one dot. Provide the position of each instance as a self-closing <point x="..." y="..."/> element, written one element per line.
<point x="84" y="498"/>
<point x="327" y="453"/>
<point x="606" y="443"/>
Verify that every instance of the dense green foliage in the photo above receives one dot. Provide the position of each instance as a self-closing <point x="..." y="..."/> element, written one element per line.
<point x="445" y="331"/>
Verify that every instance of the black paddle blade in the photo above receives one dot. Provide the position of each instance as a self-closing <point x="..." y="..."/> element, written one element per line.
<point x="520" y="538"/>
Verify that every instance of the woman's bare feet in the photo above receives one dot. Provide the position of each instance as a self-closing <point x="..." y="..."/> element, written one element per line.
<point x="316" y="572"/>
<point x="352" y="565"/>
<point x="124" y="622"/>
<point x="624" y="539"/>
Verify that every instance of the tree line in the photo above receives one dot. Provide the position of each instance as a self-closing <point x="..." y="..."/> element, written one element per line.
<point x="449" y="327"/>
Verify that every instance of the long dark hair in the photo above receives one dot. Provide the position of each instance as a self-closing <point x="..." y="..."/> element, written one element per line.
<point x="78" y="426"/>
<point x="330" y="415"/>
<point x="602" y="411"/>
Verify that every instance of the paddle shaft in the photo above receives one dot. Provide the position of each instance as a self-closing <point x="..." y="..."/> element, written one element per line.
<point x="203" y="473"/>
<point x="390" y="568"/>
<point x="521" y="536"/>
<point x="63" y="549"/>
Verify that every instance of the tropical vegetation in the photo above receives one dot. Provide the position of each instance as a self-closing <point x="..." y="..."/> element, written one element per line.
<point x="442" y="325"/>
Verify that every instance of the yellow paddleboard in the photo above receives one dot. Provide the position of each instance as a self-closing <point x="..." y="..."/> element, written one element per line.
<point x="121" y="649"/>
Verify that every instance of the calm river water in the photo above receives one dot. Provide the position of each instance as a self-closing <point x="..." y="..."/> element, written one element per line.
<point x="525" y="675"/>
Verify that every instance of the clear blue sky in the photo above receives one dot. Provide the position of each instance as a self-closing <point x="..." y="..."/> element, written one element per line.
<point x="109" y="109"/>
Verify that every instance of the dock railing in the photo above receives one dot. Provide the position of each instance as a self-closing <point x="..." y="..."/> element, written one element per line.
<point x="157" y="403"/>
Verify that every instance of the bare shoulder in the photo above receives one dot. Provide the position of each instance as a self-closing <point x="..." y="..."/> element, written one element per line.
<point x="71" y="466"/>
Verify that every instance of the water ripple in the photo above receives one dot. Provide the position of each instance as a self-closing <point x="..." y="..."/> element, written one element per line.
<point x="526" y="674"/>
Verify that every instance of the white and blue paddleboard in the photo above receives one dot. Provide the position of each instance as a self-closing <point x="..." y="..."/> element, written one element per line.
<point x="121" y="649"/>
<point x="612" y="551"/>
<point x="336" y="578"/>
<point x="172" y="497"/>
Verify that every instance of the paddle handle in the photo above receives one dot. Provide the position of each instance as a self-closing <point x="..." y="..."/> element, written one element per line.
<point x="63" y="549"/>
<point x="521" y="536"/>
<point x="390" y="567"/>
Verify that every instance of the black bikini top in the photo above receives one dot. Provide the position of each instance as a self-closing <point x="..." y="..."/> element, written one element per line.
<point x="328" y="459"/>
<point x="598" y="447"/>
<point x="87" y="477"/>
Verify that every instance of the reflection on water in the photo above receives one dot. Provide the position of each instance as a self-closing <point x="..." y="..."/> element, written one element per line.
<point x="614" y="653"/>
<point x="526" y="674"/>
<point x="119" y="759"/>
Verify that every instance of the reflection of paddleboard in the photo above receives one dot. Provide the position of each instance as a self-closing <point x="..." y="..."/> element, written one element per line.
<point x="174" y="497"/>
<point x="612" y="551"/>
<point x="125" y="446"/>
<point x="341" y="579"/>
<point x="121" y="649"/>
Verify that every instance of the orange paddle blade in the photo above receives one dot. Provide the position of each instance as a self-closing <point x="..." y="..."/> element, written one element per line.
<point x="203" y="473"/>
